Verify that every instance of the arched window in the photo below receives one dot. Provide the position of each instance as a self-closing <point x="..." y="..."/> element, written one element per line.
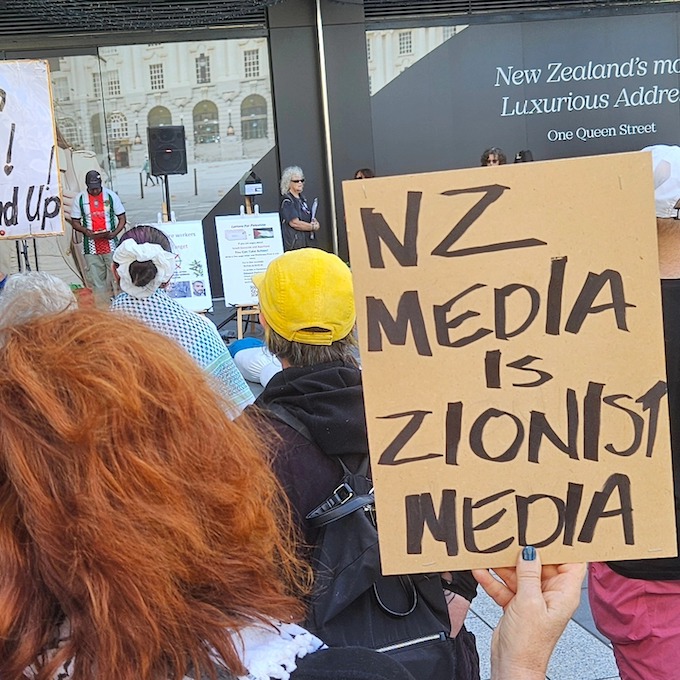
<point x="254" y="117"/>
<point x="158" y="116"/>
<point x="118" y="126"/>
<point x="70" y="132"/>
<point x="206" y="123"/>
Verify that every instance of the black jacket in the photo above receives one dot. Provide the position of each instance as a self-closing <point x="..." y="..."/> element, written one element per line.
<point x="328" y="399"/>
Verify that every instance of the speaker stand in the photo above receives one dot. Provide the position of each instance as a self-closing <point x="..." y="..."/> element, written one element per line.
<point x="168" y="207"/>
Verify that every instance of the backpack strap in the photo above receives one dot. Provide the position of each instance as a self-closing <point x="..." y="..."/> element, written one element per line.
<point x="282" y="414"/>
<point x="343" y="501"/>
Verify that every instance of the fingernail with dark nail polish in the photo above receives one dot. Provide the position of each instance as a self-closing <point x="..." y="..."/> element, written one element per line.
<point x="529" y="553"/>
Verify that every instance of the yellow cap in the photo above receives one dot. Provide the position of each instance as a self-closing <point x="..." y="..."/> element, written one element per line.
<point x="307" y="288"/>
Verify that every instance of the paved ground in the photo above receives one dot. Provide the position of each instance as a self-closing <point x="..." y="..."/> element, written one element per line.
<point x="581" y="654"/>
<point x="192" y="196"/>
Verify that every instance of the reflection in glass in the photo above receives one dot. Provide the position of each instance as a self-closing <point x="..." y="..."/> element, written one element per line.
<point x="158" y="116"/>
<point x="97" y="134"/>
<point x="392" y="51"/>
<point x="202" y="69"/>
<point x="104" y="104"/>
<point x="156" y="76"/>
<point x="254" y="117"/>
<point x="251" y="63"/>
<point x="206" y="123"/>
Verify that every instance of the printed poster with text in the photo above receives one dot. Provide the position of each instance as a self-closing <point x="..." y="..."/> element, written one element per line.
<point x="247" y="244"/>
<point x="29" y="179"/>
<point x="190" y="285"/>
<point x="511" y="338"/>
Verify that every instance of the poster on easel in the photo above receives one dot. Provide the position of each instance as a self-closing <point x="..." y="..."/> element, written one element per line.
<point x="247" y="244"/>
<point x="190" y="285"/>
<point x="30" y="203"/>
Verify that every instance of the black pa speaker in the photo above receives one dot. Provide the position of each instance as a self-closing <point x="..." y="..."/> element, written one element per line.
<point x="167" y="150"/>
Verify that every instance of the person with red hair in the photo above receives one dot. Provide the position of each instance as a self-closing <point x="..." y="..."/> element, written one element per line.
<point x="142" y="533"/>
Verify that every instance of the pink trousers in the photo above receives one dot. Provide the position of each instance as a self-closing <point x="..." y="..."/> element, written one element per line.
<point x="642" y="620"/>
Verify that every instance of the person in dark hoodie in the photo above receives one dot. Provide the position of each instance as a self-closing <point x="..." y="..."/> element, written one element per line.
<point x="308" y="315"/>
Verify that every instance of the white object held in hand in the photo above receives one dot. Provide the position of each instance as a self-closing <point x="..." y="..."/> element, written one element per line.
<point x="315" y="205"/>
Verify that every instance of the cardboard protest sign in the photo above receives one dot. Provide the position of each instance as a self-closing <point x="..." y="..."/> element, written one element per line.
<point x="247" y="244"/>
<point x="30" y="204"/>
<point x="510" y="330"/>
<point x="190" y="285"/>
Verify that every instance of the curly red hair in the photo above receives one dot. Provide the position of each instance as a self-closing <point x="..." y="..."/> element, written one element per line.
<point x="131" y="507"/>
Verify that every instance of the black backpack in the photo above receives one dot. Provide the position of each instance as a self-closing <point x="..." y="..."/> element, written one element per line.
<point x="353" y="604"/>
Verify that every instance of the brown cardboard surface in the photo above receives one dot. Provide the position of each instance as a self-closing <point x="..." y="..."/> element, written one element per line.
<point x="510" y="330"/>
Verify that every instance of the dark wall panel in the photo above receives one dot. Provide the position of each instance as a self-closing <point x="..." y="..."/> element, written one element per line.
<point x="297" y="102"/>
<point x="349" y="101"/>
<point x="444" y="110"/>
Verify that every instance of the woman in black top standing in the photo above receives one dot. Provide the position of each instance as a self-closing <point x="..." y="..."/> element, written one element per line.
<point x="297" y="223"/>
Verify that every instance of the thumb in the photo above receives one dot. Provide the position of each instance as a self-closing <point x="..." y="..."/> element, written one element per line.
<point x="529" y="572"/>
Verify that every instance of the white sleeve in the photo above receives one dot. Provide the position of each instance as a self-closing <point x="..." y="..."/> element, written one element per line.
<point x="257" y="364"/>
<point x="118" y="207"/>
<point x="76" y="213"/>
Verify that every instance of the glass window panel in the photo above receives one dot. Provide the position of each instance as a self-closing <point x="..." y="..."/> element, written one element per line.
<point x="254" y="117"/>
<point x="159" y="115"/>
<point x="113" y="84"/>
<point x="206" y="123"/>
<point x="251" y="61"/>
<point x="104" y="105"/>
<point x="405" y="42"/>
<point x="96" y="85"/>
<point x="202" y="69"/>
<point x="156" y="76"/>
<point x="394" y="50"/>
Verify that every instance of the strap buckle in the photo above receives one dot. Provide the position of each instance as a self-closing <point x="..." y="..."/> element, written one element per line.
<point x="341" y="495"/>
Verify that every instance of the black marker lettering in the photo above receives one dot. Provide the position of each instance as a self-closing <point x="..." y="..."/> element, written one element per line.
<point x="420" y="512"/>
<point x="477" y="436"/>
<point x="621" y="484"/>
<point x="553" y="317"/>
<point x="389" y="455"/>
<point x="501" y="296"/>
<point x="377" y="232"/>
<point x="470" y="528"/>
<point x="491" y="194"/>
<point x="540" y="428"/>
<point x="442" y="326"/>
<point x="409" y="314"/>
<point x="584" y="304"/>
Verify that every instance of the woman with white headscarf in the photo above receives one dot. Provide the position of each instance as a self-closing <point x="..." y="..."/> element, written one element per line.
<point x="143" y="265"/>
